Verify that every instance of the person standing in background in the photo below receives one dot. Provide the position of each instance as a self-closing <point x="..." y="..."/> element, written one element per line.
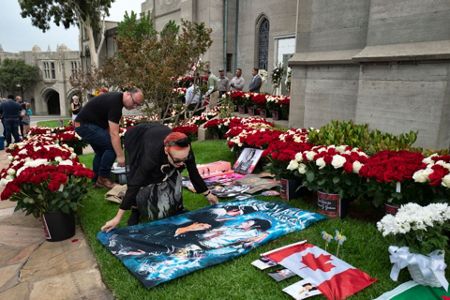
<point x="10" y="112"/>
<point x="223" y="83"/>
<point x="255" y="84"/>
<point x="75" y="106"/>
<point x="26" y="117"/>
<point x="237" y="83"/>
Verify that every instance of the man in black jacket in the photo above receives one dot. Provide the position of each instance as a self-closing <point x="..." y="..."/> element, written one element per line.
<point x="10" y="112"/>
<point x="155" y="156"/>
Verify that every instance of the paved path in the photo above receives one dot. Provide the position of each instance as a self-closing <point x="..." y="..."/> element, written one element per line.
<point x="32" y="268"/>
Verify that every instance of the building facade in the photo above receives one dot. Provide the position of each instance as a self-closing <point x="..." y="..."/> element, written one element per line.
<point x="52" y="94"/>
<point x="245" y="34"/>
<point x="381" y="62"/>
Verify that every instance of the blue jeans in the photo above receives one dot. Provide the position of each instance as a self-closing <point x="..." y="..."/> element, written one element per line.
<point x="11" y="128"/>
<point x="100" y="141"/>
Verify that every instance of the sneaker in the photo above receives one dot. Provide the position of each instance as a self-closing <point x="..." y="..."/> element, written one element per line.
<point x="104" y="182"/>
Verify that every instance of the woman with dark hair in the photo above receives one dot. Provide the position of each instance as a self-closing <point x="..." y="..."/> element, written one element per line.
<point x="155" y="157"/>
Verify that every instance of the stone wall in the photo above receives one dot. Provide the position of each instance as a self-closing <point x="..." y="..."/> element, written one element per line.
<point x="379" y="62"/>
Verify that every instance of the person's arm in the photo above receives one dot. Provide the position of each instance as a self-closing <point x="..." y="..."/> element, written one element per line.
<point x="111" y="224"/>
<point x="197" y="180"/>
<point x="115" y="141"/>
<point x="129" y="200"/>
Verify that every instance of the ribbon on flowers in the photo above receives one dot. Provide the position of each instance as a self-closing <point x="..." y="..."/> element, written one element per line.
<point x="399" y="258"/>
<point x="430" y="265"/>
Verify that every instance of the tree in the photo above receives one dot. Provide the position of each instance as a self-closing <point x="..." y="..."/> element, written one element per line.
<point x="150" y="59"/>
<point x="88" y="15"/>
<point x="16" y="74"/>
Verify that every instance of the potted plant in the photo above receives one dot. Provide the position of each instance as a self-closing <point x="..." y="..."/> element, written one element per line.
<point x="259" y="102"/>
<point x="273" y="106"/>
<point x="418" y="237"/>
<point x="238" y="98"/>
<point x="48" y="182"/>
<point x="332" y="171"/>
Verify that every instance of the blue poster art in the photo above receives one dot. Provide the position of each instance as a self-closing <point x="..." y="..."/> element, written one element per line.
<point x="165" y="249"/>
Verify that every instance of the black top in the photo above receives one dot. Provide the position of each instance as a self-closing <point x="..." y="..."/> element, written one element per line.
<point x="10" y="109"/>
<point x="101" y="109"/>
<point x="77" y="108"/>
<point x="144" y="149"/>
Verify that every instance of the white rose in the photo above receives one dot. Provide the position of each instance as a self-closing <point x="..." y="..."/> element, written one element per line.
<point x="321" y="163"/>
<point x="338" y="161"/>
<point x="429" y="160"/>
<point x="66" y="162"/>
<point x="357" y="166"/>
<point x="341" y="148"/>
<point x="11" y="172"/>
<point x="302" y="168"/>
<point x="422" y="175"/>
<point x="310" y="155"/>
<point x="58" y="158"/>
<point x="446" y="181"/>
<point x="299" y="156"/>
<point x="293" y="164"/>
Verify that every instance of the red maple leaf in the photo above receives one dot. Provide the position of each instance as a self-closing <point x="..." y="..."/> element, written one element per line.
<point x="322" y="262"/>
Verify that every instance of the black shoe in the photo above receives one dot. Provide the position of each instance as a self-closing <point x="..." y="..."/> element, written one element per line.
<point x="134" y="217"/>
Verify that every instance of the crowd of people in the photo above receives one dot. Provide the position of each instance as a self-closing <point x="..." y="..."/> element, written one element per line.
<point x="15" y="116"/>
<point x="217" y="86"/>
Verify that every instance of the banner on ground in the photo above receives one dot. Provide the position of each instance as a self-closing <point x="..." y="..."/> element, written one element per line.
<point x="162" y="250"/>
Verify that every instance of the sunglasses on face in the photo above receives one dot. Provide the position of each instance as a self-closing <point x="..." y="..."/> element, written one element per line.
<point x="177" y="161"/>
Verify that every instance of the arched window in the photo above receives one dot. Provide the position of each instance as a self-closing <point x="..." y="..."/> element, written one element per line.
<point x="263" y="43"/>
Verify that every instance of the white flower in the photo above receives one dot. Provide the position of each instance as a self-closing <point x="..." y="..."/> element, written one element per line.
<point x="341" y="148"/>
<point x="338" y="161"/>
<point x="299" y="157"/>
<point x="422" y="175"/>
<point x="321" y="163"/>
<point x="302" y="168"/>
<point x="429" y="160"/>
<point x="58" y="158"/>
<point x="10" y="157"/>
<point x="310" y="155"/>
<point x="446" y="181"/>
<point x="293" y="164"/>
<point x="11" y="171"/>
<point x="66" y="162"/>
<point x="357" y="166"/>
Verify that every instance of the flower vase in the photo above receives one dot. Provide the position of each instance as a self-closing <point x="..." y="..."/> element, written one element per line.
<point x="331" y="205"/>
<point x="251" y="110"/>
<point x="241" y="109"/>
<point x="275" y="115"/>
<point x="418" y="276"/>
<point x="58" y="226"/>
<point x="289" y="188"/>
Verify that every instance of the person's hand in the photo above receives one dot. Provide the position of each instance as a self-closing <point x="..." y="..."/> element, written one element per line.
<point x="212" y="199"/>
<point x="111" y="224"/>
<point x="120" y="161"/>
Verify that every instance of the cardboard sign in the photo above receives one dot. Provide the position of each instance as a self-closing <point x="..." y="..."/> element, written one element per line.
<point x="329" y="204"/>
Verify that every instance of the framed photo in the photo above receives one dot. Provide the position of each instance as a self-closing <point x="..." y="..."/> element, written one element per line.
<point x="247" y="161"/>
<point x="302" y="289"/>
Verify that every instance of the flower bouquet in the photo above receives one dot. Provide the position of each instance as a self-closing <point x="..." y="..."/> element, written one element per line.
<point x="389" y="178"/>
<point x="435" y="174"/>
<point x="418" y="234"/>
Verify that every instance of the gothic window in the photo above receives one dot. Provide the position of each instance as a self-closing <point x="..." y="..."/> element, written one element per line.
<point x="263" y="43"/>
<point x="52" y="69"/>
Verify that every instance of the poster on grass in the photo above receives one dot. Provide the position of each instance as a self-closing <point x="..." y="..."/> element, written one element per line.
<point x="165" y="249"/>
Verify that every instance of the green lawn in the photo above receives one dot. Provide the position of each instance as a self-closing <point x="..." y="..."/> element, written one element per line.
<point x="52" y="123"/>
<point x="237" y="279"/>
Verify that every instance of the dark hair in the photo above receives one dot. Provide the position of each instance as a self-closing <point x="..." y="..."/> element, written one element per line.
<point x="256" y="69"/>
<point x="134" y="90"/>
<point x="239" y="69"/>
<point x="11" y="97"/>
<point x="261" y="224"/>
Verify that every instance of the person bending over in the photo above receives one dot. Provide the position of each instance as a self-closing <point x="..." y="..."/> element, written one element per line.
<point x="155" y="158"/>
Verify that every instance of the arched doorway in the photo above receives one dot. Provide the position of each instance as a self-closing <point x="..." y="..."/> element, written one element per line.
<point x="52" y="99"/>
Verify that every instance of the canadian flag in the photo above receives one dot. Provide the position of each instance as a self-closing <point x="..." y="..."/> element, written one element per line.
<point x="335" y="278"/>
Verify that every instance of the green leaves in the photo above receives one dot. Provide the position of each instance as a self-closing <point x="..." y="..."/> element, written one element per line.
<point x="17" y="72"/>
<point x="359" y="135"/>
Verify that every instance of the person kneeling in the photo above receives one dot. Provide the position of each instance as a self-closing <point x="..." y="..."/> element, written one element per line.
<point x="155" y="158"/>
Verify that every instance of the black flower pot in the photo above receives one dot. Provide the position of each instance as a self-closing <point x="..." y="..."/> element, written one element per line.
<point x="58" y="226"/>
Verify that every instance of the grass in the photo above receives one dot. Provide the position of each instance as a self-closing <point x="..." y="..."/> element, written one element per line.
<point x="237" y="279"/>
<point x="52" y="123"/>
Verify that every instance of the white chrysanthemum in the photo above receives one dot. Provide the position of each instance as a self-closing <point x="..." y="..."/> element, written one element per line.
<point x="321" y="163"/>
<point x="302" y="168"/>
<point x="338" y="161"/>
<point x="293" y="164"/>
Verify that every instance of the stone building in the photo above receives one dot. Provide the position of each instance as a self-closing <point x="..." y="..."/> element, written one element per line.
<point x="246" y="34"/>
<point x="381" y="62"/>
<point x="52" y="94"/>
